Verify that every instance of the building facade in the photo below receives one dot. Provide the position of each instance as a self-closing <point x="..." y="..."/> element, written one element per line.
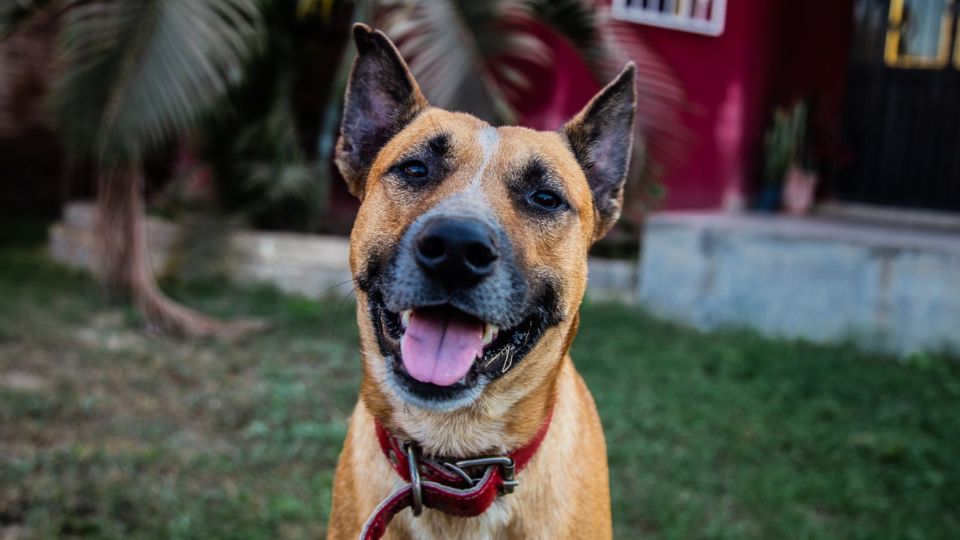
<point x="881" y="78"/>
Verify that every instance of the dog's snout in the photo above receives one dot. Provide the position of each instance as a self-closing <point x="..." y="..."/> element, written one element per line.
<point x="456" y="252"/>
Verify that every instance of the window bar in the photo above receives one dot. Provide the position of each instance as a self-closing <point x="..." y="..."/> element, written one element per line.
<point x="707" y="17"/>
<point x="956" y="46"/>
<point x="701" y="10"/>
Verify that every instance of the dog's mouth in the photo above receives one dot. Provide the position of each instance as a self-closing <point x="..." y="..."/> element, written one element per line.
<point x="439" y="352"/>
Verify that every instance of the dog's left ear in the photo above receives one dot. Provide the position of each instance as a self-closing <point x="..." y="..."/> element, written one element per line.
<point x="601" y="137"/>
<point x="382" y="98"/>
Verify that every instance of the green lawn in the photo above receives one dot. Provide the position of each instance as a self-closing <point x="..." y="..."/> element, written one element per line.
<point x="107" y="431"/>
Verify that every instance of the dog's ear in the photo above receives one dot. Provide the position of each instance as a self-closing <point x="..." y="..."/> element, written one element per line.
<point x="382" y="97"/>
<point x="601" y="137"/>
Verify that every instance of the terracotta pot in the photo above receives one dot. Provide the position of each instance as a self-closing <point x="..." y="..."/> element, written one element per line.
<point x="799" y="190"/>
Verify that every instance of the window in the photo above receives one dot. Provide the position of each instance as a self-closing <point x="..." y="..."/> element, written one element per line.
<point x="918" y="33"/>
<point x="956" y="48"/>
<point x="698" y="16"/>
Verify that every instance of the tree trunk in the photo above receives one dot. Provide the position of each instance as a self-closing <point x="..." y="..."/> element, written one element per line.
<point x="124" y="263"/>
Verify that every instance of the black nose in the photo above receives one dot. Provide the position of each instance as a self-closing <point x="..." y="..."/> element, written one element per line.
<point x="457" y="252"/>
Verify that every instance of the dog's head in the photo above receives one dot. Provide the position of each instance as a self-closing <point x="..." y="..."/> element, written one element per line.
<point x="470" y="247"/>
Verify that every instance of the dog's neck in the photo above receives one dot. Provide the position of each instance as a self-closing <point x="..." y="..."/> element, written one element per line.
<point x="497" y="423"/>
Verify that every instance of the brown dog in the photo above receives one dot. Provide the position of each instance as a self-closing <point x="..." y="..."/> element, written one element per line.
<point x="469" y="254"/>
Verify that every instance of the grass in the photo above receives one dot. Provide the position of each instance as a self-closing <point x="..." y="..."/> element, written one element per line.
<point x="107" y="431"/>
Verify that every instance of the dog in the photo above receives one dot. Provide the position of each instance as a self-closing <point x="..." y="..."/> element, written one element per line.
<point x="469" y="257"/>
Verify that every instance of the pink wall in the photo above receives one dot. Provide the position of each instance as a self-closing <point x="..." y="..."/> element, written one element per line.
<point x="563" y="91"/>
<point x="727" y="81"/>
<point x="771" y="52"/>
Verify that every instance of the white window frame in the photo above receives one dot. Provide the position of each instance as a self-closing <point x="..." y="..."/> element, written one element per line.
<point x="711" y="24"/>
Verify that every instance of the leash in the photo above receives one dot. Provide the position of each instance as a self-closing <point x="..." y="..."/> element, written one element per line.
<point x="446" y="485"/>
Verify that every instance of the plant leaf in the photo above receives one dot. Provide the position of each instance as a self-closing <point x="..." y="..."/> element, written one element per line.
<point x="140" y="72"/>
<point x="461" y="51"/>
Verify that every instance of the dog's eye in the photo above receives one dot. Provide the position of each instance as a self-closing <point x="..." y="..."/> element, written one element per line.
<point x="414" y="169"/>
<point x="545" y="199"/>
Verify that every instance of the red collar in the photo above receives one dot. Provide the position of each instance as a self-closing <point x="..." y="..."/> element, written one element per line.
<point x="465" y="487"/>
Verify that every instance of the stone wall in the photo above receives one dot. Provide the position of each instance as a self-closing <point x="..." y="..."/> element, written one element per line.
<point x="885" y="287"/>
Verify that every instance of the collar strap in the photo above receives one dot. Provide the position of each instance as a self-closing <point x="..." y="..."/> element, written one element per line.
<point x="464" y="487"/>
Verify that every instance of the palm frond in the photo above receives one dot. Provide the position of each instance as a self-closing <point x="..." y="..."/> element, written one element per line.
<point x="660" y="96"/>
<point x="276" y="165"/>
<point x="606" y="45"/>
<point x="575" y="20"/>
<point x="272" y="163"/>
<point x="462" y="51"/>
<point x="142" y="71"/>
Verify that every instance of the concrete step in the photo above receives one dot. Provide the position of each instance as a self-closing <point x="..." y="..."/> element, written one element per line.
<point x="888" y="287"/>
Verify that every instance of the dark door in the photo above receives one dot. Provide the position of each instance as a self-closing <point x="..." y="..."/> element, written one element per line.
<point x="903" y="109"/>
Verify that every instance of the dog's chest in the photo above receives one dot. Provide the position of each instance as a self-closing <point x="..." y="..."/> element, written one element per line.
<point x="492" y="524"/>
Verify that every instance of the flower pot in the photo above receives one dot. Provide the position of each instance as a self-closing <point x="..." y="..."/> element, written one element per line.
<point x="799" y="190"/>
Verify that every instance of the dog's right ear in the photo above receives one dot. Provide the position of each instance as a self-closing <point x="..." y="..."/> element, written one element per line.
<point x="601" y="137"/>
<point x="382" y="98"/>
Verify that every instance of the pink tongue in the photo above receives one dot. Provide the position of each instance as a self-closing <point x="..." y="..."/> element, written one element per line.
<point x="440" y="344"/>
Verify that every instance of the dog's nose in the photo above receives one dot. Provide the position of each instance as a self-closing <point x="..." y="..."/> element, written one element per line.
<point x="457" y="252"/>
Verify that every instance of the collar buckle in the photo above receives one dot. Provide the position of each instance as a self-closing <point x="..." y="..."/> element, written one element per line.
<point x="508" y="470"/>
<point x="416" y="486"/>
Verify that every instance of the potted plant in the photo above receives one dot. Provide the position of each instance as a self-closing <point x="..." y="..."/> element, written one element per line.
<point x="791" y="180"/>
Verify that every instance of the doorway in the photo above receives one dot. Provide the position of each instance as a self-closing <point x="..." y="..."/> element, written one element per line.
<point x="902" y="117"/>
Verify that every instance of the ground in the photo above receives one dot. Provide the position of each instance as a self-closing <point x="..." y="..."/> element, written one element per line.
<point x="109" y="431"/>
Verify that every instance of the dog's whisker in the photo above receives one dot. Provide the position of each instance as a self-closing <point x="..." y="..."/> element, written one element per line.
<point x="527" y="335"/>
<point x="333" y="327"/>
<point x="493" y="358"/>
<point x="509" y="363"/>
<point x="330" y="288"/>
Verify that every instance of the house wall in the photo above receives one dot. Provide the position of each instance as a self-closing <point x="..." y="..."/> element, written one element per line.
<point x="770" y="53"/>
<point x="727" y="80"/>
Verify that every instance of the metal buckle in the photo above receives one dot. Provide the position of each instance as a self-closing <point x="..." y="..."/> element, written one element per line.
<point x="508" y="471"/>
<point x="415" y="485"/>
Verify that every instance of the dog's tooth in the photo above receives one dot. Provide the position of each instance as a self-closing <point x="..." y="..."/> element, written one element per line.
<point x="489" y="334"/>
<point x="405" y="318"/>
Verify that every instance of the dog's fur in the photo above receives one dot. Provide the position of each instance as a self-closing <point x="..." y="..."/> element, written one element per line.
<point x="482" y="172"/>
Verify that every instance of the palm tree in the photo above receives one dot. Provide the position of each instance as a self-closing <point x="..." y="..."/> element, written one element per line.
<point x="138" y="75"/>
